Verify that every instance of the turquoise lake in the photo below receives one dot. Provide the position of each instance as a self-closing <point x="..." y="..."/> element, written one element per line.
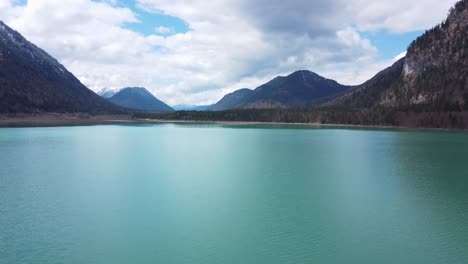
<point x="194" y="193"/>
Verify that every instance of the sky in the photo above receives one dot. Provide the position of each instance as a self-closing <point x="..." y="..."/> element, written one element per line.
<point x="196" y="51"/>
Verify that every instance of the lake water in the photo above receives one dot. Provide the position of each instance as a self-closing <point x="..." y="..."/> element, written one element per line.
<point x="170" y="193"/>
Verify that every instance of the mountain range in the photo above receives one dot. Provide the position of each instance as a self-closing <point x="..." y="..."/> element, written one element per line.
<point x="300" y="89"/>
<point x="433" y="77"/>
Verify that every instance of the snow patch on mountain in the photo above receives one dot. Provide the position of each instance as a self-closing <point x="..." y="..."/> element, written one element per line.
<point x="108" y="92"/>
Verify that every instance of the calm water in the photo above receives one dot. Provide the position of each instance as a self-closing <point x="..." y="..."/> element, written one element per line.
<point x="232" y="194"/>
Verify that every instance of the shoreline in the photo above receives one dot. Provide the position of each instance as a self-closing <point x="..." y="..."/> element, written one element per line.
<point x="62" y="120"/>
<point x="57" y="120"/>
<point x="311" y="125"/>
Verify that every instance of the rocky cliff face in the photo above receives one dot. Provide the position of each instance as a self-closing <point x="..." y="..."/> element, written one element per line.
<point x="435" y="72"/>
<point x="433" y="76"/>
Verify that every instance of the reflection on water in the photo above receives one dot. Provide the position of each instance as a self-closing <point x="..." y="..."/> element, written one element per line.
<point x="195" y="193"/>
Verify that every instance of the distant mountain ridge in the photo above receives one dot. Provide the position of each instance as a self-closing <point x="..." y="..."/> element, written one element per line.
<point x="32" y="81"/>
<point x="300" y="89"/>
<point x="139" y="98"/>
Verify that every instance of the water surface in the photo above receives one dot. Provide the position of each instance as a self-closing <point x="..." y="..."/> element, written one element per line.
<point x="170" y="193"/>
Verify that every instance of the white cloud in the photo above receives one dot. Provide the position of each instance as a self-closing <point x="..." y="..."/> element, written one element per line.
<point x="163" y="30"/>
<point x="230" y="45"/>
<point x="8" y="10"/>
<point x="400" y="15"/>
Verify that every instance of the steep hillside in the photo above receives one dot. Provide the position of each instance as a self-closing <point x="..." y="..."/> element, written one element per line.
<point x="369" y="94"/>
<point x="233" y="100"/>
<point x="432" y="77"/>
<point x="140" y="99"/>
<point x="31" y="81"/>
<point x="435" y="72"/>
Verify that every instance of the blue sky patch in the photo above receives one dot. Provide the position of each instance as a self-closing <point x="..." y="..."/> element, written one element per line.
<point x="391" y="44"/>
<point x="151" y="21"/>
<point x="21" y="2"/>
